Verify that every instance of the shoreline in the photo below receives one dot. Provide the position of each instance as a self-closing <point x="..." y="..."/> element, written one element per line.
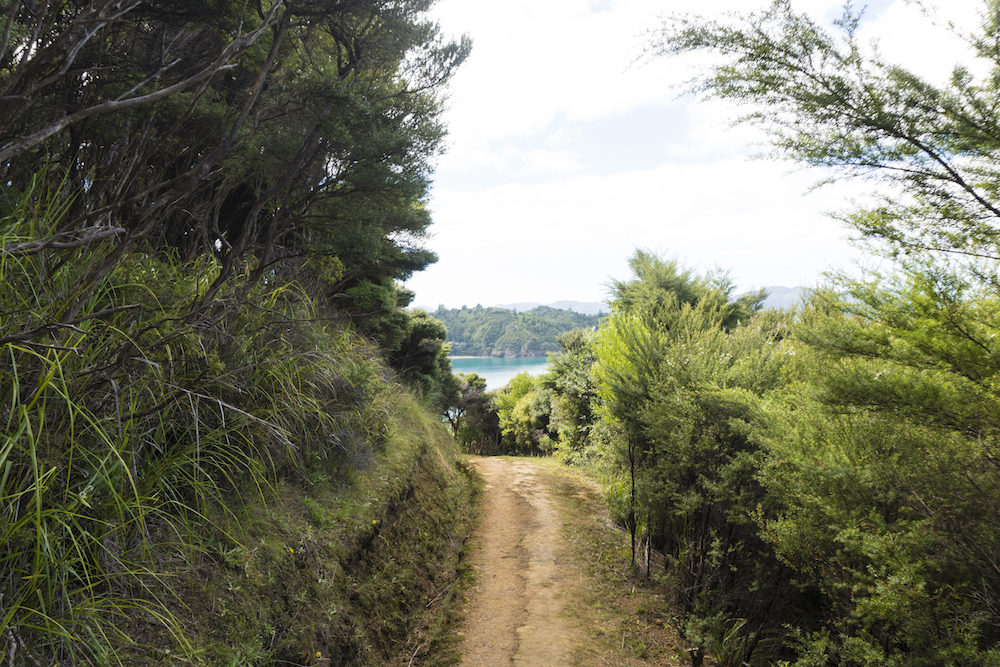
<point x="472" y="356"/>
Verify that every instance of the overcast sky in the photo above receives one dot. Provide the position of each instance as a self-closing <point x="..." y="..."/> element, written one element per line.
<point x="564" y="156"/>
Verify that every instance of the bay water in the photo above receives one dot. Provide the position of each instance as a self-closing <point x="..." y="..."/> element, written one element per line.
<point x="498" y="371"/>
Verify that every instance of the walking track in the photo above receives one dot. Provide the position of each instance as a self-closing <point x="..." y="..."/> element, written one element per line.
<point x="533" y="604"/>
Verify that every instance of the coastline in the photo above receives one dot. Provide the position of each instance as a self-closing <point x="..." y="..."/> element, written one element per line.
<point x="498" y="371"/>
<point x="476" y="356"/>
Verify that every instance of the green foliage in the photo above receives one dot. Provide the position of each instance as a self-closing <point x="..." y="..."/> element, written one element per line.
<point x="680" y="377"/>
<point x="422" y="360"/>
<point x="696" y="487"/>
<point x="472" y="415"/>
<point x="523" y="407"/>
<point x="413" y="341"/>
<point x="260" y="136"/>
<point x="933" y="332"/>
<point x="653" y="340"/>
<point x="661" y="291"/>
<point x="875" y="459"/>
<point x="498" y="332"/>
<point x="890" y="507"/>
<point x="377" y="309"/>
<point x="137" y="439"/>
<point x="574" y="392"/>
<point x="858" y="493"/>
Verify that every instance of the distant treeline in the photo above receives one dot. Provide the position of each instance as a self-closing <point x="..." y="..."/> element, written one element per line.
<point x="498" y="332"/>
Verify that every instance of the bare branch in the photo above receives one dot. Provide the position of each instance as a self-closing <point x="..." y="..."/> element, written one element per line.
<point x="35" y="247"/>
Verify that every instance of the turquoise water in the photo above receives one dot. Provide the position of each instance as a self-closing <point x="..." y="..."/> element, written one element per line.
<point x="498" y="371"/>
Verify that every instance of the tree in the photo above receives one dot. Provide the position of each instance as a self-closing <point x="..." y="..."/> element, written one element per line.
<point x="255" y="133"/>
<point x="886" y="520"/>
<point x="523" y="407"/>
<point x="698" y="491"/>
<point x="660" y="289"/>
<point x="685" y="390"/>
<point x="663" y="305"/>
<point x="876" y="456"/>
<point x="575" y="394"/>
<point x="422" y="359"/>
<point x="470" y="391"/>
<point x="473" y="417"/>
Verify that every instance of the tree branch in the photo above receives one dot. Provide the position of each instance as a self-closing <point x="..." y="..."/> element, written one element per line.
<point x="35" y="247"/>
<point x="221" y="62"/>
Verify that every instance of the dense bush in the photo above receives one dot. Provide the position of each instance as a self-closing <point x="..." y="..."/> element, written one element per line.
<point x="814" y="488"/>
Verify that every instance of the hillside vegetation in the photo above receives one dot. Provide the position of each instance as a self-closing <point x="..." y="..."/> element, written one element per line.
<point x="259" y="489"/>
<point x="214" y="446"/>
<point x="498" y="332"/>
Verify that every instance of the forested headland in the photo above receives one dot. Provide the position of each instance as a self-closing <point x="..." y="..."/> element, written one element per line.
<point x="499" y="332"/>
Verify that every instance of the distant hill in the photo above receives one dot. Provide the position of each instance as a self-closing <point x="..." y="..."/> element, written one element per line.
<point x="778" y="297"/>
<point x="585" y="307"/>
<point x="784" y="297"/>
<point x="503" y="332"/>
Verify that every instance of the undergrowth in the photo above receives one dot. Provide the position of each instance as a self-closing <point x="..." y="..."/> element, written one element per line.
<point x="195" y="479"/>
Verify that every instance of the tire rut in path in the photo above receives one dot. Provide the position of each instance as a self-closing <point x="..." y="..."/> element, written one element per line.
<point x="514" y="613"/>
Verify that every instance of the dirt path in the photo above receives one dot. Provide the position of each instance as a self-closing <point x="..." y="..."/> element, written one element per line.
<point x="513" y="617"/>
<point x="534" y="602"/>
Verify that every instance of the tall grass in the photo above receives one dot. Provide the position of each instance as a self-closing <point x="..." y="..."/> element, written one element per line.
<point x="68" y="502"/>
<point x="139" y="422"/>
<point x="68" y="499"/>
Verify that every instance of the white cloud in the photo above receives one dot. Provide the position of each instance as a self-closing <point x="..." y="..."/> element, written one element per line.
<point x="564" y="239"/>
<point x="921" y="42"/>
<point x="540" y="198"/>
<point x="536" y="61"/>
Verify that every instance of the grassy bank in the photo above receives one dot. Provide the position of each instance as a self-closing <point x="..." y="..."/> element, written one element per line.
<point x="333" y="573"/>
<point x="189" y="476"/>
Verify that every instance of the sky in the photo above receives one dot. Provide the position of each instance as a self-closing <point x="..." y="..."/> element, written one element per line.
<point x="566" y="154"/>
